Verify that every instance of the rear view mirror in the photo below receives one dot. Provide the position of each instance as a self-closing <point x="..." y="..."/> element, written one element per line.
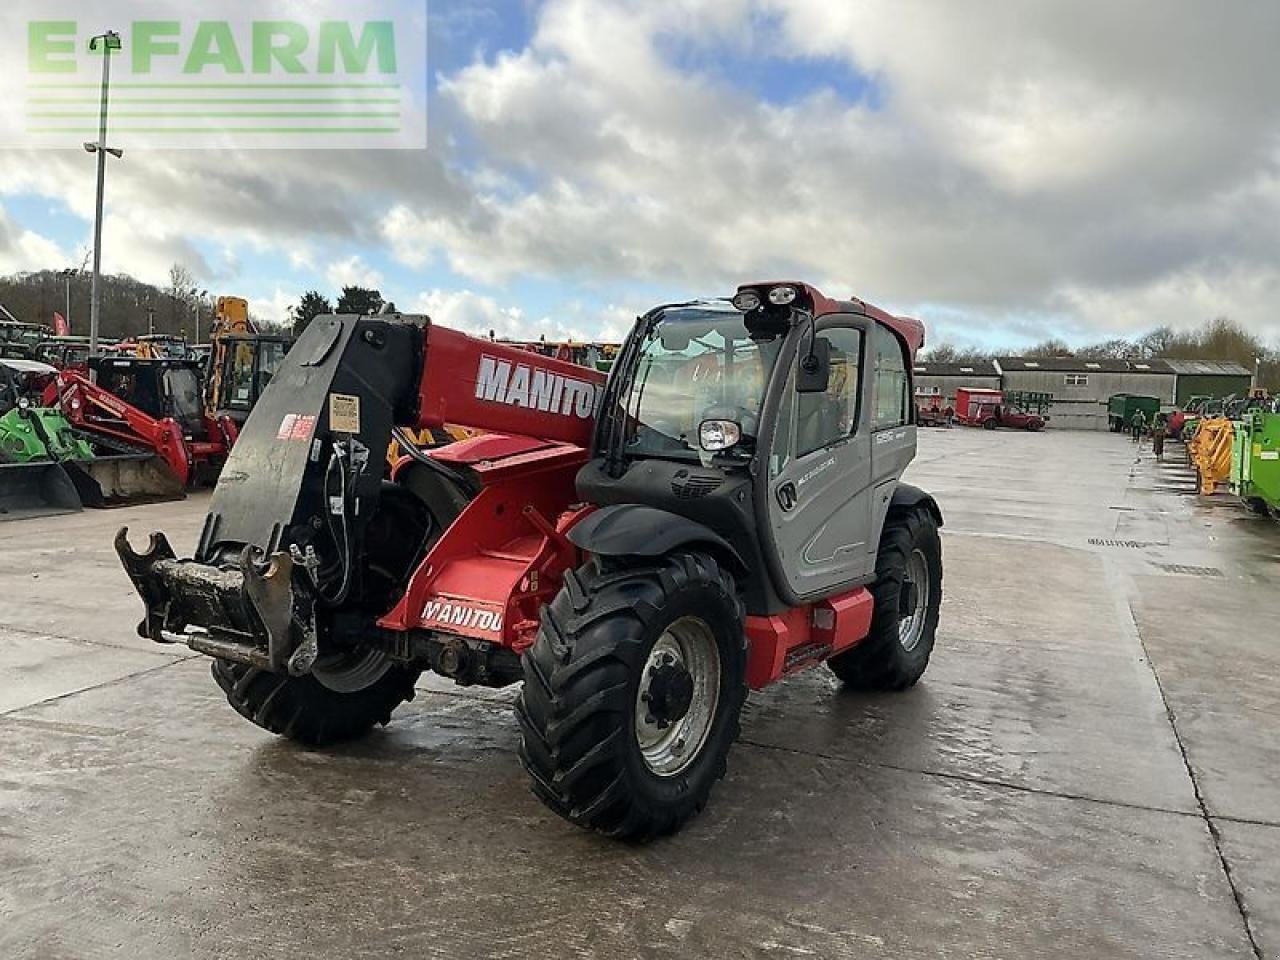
<point x="814" y="375"/>
<point x="675" y="339"/>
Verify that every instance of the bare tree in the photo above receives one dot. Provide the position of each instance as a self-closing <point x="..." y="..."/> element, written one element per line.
<point x="182" y="291"/>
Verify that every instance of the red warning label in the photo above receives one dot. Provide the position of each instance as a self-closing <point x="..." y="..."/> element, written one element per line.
<point x="296" y="426"/>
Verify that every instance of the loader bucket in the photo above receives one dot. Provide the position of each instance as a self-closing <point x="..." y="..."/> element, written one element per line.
<point x="124" y="480"/>
<point x="36" y="489"/>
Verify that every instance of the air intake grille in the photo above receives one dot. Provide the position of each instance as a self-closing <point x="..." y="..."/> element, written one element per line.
<point x="691" y="487"/>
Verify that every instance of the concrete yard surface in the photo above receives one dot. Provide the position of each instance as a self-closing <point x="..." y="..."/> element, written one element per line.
<point x="1090" y="768"/>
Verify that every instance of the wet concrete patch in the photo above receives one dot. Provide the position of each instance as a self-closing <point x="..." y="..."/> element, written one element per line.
<point x="209" y="838"/>
<point x="1027" y="799"/>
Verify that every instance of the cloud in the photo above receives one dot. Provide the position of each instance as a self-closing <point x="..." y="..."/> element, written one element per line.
<point x="1027" y="167"/>
<point x="1028" y="157"/>
<point x="353" y="272"/>
<point x="481" y="315"/>
<point x="274" y="309"/>
<point x="22" y="250"/>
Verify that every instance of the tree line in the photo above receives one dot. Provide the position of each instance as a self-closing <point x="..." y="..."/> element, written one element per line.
<point x="128" y="307"/>
<point x="1220" y="340"/>
<point x="353" y="299"/>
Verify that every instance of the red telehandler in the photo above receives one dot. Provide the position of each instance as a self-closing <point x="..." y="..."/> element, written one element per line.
<point x="724" y="511"/>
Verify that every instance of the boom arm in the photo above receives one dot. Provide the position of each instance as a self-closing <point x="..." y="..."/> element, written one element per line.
<point x="490" y="386"/>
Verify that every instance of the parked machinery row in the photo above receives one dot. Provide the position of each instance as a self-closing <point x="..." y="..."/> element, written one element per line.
<point x="149" y="417"/>
<point x="1236" y="444"/>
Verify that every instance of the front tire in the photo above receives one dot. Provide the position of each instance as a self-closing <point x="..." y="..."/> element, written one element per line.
<point x="632" y="694"/>
<point x="305" y="709"/>
<point x="908" y="594"/>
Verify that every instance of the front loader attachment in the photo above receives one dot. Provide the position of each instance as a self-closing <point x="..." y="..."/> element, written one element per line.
<point x="122" y="480"/>
<point x="36" y="489"/>
<point x="32" y="483"/>
<point x="285" y="531"/>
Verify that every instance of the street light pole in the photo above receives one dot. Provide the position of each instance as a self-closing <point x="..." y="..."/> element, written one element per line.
<point x="109" y="41"/>
<point x="199" y="308"/>
<point x="66" y="278"/>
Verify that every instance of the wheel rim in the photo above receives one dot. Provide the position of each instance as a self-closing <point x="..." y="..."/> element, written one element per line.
<point x="352" y="671"/>
<point x="911" y="625"/>
<point x="669" y="744"/>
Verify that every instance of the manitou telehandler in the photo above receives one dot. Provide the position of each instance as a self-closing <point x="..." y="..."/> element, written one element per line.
<point x="724" y="511"/>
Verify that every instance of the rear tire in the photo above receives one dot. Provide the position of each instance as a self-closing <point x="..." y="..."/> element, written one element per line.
<point x="593" y="757"/>
<point x="895" y="652"/>
<point x="304" y="709"/>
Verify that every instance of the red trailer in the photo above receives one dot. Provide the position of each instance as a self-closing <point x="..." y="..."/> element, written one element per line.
<point x="932" y="410"/>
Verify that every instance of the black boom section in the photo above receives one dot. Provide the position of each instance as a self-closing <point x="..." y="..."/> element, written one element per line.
<point x="347" y="377"/>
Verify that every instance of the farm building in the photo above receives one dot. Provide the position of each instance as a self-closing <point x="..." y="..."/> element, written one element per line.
<point x="1204" y="378"/>
<point x="944" y="378"/>
<point x="1081" y="388"/>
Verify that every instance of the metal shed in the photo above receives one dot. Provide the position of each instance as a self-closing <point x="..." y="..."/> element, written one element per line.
<point x="1208" y="378"/>
<point x="945" y="378"/>
<point x="1081" y="387"/>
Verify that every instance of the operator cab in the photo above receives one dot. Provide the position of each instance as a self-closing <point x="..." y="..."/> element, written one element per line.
<point x="159" y="388"/>
<point x="248" y="362"/>
<point x="781" y="420"/>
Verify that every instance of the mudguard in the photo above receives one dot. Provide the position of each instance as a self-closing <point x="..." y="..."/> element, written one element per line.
<point x="631" y="530"/>
<point x="905" y="497"/>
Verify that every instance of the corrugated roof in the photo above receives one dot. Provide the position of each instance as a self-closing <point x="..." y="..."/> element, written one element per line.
<point x="969" y="368"/>
<point x="1208" y="368"/>
<point x="986" y="368"/>
<point x="1065" y="365"/>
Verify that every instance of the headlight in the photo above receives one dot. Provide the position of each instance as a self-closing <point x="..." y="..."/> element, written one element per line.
<point x="716" y="435"/>
<point x="782" y="296"/>
<point x="746" y="301"/>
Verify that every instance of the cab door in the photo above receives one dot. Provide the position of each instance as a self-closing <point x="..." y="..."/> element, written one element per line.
<point x="819" y="471"/>
<point x="891" y="422"/>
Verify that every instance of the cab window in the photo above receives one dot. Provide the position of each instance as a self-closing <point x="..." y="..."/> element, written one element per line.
<point x="891" y="382"/>
<point x="808" y="422"/>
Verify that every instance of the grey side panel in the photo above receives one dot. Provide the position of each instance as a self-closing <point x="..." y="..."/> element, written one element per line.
<point x="891" y="453"/>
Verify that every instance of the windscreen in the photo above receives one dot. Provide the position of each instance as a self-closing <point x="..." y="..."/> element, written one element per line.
<point x="183" y="388"/>
<point x="696" y="364"/>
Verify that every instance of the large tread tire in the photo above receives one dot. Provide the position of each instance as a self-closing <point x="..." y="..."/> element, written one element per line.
<point x="303" y="709"/>
<point x="880" y="661"/>
<point x="576" y="708"/>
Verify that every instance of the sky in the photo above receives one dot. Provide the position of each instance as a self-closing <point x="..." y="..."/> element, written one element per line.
<point x="1006" y="171"/>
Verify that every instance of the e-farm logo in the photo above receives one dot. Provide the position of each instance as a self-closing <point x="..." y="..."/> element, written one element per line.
<point x="272" y="74"/>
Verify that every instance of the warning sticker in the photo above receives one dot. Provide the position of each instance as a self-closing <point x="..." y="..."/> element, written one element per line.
<point x="344" y="413"/>
<point x="295" y="426"/>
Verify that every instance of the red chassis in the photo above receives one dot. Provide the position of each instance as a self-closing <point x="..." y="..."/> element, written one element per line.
<point x="504" y="558"/>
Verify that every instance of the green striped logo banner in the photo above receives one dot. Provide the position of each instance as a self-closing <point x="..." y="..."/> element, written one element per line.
<point x="291" y="74"/>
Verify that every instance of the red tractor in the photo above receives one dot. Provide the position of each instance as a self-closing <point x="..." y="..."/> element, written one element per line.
<point x="724" y="511"/>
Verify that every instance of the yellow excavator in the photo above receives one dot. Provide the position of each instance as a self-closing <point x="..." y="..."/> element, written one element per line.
<point x="242" y="360"/>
